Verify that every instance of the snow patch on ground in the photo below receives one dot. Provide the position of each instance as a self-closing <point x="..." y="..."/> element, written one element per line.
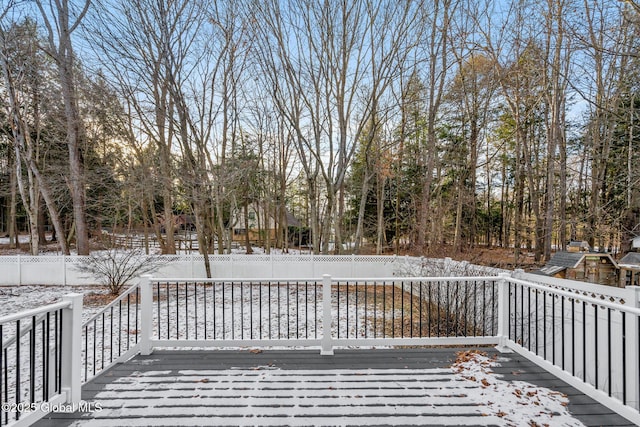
<point x="21" y="239"/>
<point x="20" y="298"/>
<point x="517" y="403"/>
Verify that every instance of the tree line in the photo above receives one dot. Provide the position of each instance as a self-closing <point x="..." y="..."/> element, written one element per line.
<point x="402" y="125"/>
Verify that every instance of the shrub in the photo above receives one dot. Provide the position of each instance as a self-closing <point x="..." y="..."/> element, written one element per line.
<point x="116" y="268"/>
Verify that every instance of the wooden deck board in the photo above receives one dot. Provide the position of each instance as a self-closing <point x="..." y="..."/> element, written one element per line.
<point x="167" y="381"/>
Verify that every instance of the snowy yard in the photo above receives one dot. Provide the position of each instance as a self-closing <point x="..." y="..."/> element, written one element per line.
<point x="19" y="298"/>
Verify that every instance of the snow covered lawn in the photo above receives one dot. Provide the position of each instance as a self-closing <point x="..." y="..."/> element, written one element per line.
<point x="19" y="298"/>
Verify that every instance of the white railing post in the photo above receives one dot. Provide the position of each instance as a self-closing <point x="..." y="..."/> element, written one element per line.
<point x="633" y="350"/>
<point x="72" y="348"/>
<point x="326" y="344"/>
<point x="146" y="315"/>
<point x="503" y="313"/>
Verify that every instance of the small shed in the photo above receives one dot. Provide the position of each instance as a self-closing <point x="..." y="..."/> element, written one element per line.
<point x="630" y="269"/>
<point x="581" y="246"/>
<point x="593" y="267"/>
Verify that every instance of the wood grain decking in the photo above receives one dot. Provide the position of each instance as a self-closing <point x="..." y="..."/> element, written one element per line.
<point x="300" y="387"/>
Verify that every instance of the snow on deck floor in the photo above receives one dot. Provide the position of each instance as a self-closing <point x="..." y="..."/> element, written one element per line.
<point x="354" y="387"/>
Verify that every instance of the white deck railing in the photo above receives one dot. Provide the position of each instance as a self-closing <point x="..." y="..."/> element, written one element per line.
<point x="39" y="356"/>
<point x="590" y="341"/>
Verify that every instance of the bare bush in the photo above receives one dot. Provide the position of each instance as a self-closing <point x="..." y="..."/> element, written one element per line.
<point x="116" y="268"/>
<point x="441" y="267"/>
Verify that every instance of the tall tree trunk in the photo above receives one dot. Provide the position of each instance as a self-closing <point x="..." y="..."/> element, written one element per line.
<point x="42" y="236"/>
<point x="247" y="241"/>
<point x="328" y="220"/>
<point x="471" y="185"/>
<point x="203" y="244"/>
<point x="62" y="52"/>
<point x="518" y="219"/>
<point x="222" y="238"/>
<point x="562" y="190"/>
<point x="457" y="235"/>
<point x="314" y="216"/>
<point x="29" y="197"/>
<point x="381" y="238"/>
<point x="339" y="220"/>
<point x="438" y="56"/>
<point x="364" y="191"/>
<point x="13" y="223"/>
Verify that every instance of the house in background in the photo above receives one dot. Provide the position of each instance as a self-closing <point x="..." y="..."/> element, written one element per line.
<point x="630" y="265"/>
<point x="579" y="263"/>
<point x="260" y="224"/>
<point x="258" y="229"/>
<point x="630" y="269"/>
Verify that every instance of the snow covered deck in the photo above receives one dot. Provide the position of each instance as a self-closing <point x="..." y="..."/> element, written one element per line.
<point x="352" y="387"/>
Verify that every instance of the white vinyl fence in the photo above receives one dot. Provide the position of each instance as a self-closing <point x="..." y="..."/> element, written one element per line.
<point x="63" y="270"/>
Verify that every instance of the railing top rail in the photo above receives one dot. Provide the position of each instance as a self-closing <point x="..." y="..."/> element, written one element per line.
<point x="316" y="279"/>
<point x="23" y="330"/>
<point x="228" y="280"/>
<point x="574" y="285"/>
<point x="111" y="304"/>
<point x="416" y="279"/>
<point x="577" y="296"/>
<point x="34" y="311"/>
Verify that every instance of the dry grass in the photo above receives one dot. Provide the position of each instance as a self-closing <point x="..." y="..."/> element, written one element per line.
<point x="392" y="312"/>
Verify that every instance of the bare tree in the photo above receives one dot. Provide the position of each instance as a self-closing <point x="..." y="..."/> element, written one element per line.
<point x="61" y="20"/>
<point x="601" y="44"/>
<point x="436" y="54"/>
<point x="19" y="65"/>
<point x="135" y="40"/>
<point x="327" y="82"/>
<point x="471" y="100"/>
<point x="558" y="56"/>
<point x="516" y="56"/>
